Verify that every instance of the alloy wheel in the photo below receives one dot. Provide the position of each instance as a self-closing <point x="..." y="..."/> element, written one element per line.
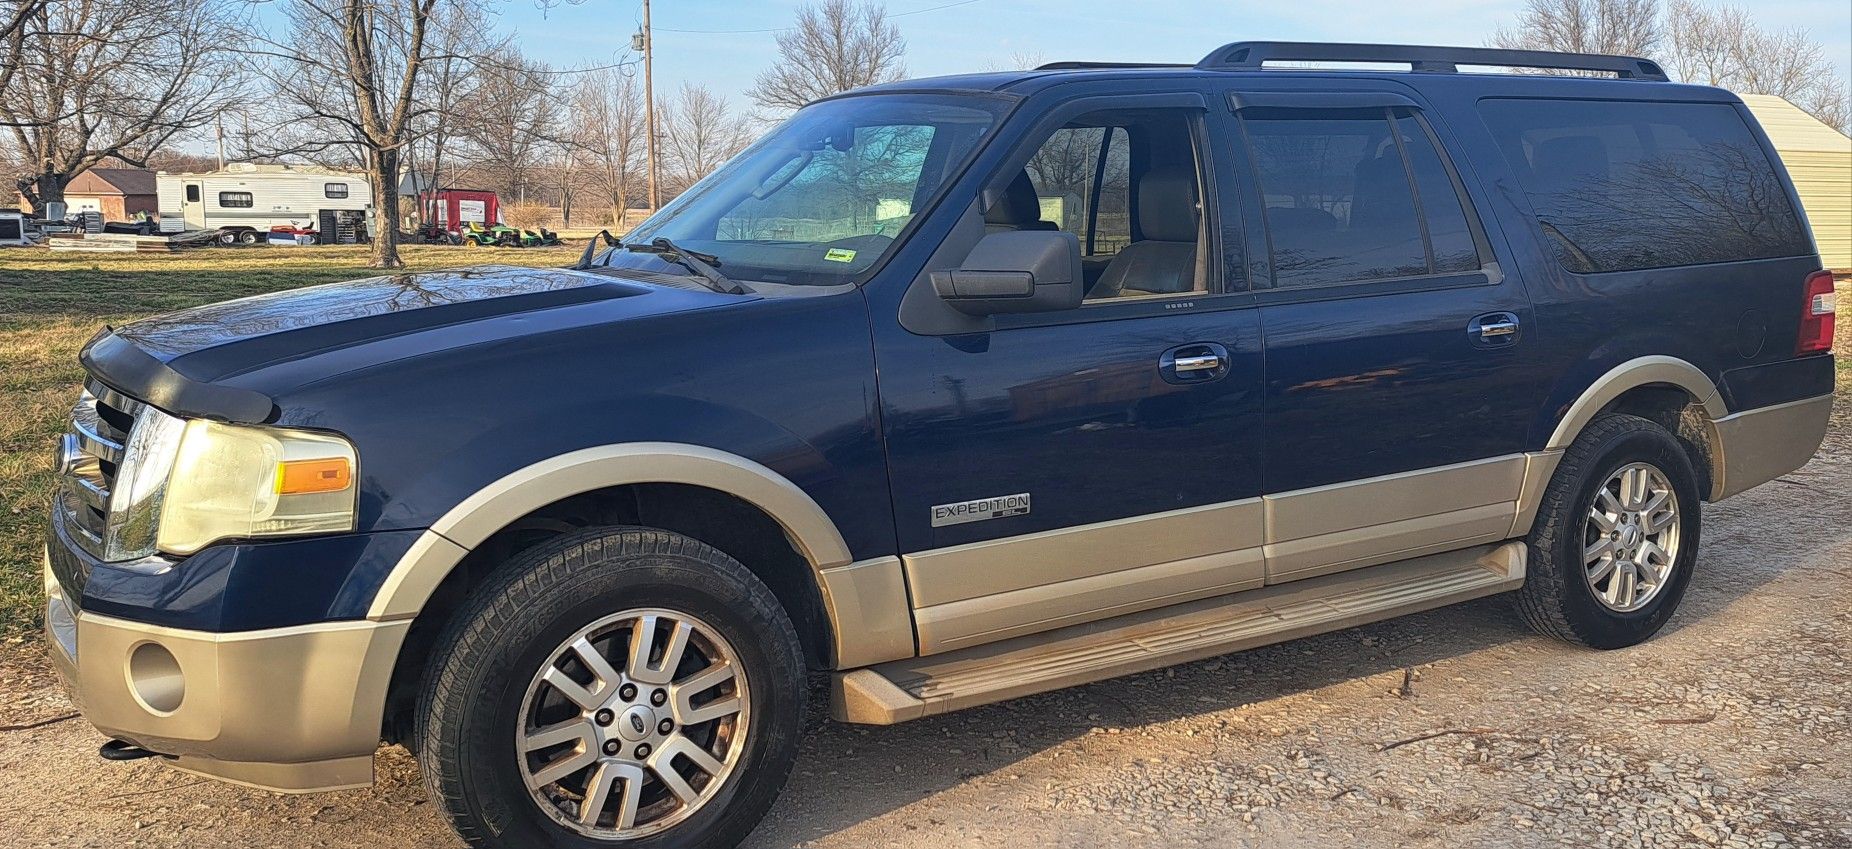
<point x="633" y="724"/>
<point x="1630" y="538"/>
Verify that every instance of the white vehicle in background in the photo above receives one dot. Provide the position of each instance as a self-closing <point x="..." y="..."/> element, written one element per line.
<point x="246" y="200"/>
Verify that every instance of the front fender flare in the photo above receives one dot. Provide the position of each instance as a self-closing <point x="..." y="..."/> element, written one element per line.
<point x="416" y="576"/>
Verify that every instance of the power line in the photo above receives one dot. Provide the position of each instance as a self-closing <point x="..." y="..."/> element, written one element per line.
<point x="782" y="29"/>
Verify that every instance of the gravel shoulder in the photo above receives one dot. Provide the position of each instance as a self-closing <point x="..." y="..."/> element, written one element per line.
<point x="1452" y="728"/>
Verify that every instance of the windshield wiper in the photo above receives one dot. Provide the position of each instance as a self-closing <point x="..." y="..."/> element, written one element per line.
<point x="699" y="263"/>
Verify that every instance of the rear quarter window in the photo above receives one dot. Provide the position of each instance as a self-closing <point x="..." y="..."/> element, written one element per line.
<point x="1621" y="186"/>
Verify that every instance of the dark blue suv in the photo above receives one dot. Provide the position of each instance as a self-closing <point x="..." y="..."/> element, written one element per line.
<point x="956" y="389"/>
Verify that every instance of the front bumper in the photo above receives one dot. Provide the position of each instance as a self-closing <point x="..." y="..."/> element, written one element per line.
<point x="294" y="709"/>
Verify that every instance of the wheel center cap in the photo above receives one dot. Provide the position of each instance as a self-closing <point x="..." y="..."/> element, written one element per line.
<point x="1630" y="535"/>
<point x="636" y="723"/>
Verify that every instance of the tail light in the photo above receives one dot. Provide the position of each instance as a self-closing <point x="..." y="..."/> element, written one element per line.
<point x="1817" y="314"/>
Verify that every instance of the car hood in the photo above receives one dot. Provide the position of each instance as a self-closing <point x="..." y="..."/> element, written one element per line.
<point x="189" y="361"/>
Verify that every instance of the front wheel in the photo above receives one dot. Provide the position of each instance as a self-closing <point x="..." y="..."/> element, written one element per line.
<point x="616" y="686"/>
<point x="1616" y="537"/>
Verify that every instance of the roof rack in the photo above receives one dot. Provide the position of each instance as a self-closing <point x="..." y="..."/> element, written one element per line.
<point x="1254" y="55"/>
<point x="1075" y="66"/>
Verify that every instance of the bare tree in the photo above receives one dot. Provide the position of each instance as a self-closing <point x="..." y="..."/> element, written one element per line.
<point x="1624" y="27"/>
<point x="700" y="133"/>
<point x="1723" y="46"/>
<point x="346" y="75"/>
<point x="449" y="81"/>
<point x="94" y="80"/>
<point x="510" y="120"/>
<point x="607" y="135"/>
<point x="1018" y="60"/>
<point x="14" y="15"/>
<point x="836" y="45"/>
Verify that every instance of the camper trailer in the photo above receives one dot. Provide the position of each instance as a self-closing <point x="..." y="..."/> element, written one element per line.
<point x="246" y="200"/>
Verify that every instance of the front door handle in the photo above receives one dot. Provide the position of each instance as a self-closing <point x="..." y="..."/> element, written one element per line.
<point x="1199" y="362"/>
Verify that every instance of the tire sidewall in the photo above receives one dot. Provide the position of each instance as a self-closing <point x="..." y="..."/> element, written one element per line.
<point x="499" y="798"/>
<point x="1599" y="625"/>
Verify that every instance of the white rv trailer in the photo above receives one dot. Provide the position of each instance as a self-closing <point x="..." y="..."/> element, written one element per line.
<point x="247" y="199"/>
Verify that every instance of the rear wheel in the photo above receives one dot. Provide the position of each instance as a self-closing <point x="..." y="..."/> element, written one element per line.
<point x="1616" y="538"/>
<point x="247" y="237"/>
<point x="618" y="686"/>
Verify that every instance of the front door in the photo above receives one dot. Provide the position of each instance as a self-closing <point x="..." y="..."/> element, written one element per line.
<point x="193" y="206"/>
<point x="1070" y="466"/>
<point x="1397" y="395"/>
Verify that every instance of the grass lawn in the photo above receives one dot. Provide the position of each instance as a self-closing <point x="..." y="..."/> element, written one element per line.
<point x="51" y="303"/>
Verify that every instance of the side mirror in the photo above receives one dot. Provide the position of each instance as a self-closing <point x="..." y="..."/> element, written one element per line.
<point x="1015" y="271"/>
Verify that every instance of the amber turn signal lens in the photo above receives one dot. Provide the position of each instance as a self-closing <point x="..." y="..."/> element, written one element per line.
<point x="303" y="477"/>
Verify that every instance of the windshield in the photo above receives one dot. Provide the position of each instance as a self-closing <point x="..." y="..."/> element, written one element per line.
<point x="822" y="197"/>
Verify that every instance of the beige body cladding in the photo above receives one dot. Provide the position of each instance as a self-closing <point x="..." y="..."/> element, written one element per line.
<point x="300" y="708"/>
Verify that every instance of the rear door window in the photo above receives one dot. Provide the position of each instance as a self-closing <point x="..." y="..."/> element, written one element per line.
<point x="1352" y="195"/>
<point x="1621" y="186"/>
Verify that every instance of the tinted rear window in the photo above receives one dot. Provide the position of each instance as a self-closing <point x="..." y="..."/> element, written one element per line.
<point x="1354" y="195"/>
<point x="1620" y="186"/>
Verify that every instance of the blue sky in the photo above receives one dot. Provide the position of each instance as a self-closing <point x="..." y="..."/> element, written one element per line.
<point x="985" y="33"/>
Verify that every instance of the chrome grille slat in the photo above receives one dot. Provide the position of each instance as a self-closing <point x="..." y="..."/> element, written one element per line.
<point x="92" y="494"/>
<point x="90" y="429"/>
<point x="89" y="456"/>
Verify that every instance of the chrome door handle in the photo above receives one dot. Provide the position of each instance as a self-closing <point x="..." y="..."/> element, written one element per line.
<point x="1494" y="330"/>
<point x="1201" y="362"/>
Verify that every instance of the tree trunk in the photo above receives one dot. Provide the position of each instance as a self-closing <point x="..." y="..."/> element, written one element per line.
<point x="385" y="167"/>
<point x="46" y="188"/>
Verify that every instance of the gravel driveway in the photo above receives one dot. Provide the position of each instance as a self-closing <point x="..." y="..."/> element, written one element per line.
<point x="1452" y="728"/>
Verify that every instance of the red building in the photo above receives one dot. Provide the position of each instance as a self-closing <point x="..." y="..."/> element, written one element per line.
<point x="451" y="209"/>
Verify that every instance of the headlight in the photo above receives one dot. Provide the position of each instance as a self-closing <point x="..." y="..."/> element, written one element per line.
<point x="237" y="481"/>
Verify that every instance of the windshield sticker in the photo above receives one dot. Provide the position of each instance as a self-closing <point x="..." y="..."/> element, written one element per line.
<point x="839" y="255"/>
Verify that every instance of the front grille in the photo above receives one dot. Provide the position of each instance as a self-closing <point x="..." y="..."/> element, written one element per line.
<point x="89" y="458"/>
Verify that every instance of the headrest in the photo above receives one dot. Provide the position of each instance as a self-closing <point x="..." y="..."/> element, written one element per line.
<point x="1019" y="207"/>
<point x="1167" y="206"/>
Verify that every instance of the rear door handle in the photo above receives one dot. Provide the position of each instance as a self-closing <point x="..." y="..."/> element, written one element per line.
<point x="1200" y="362"/>
<point x="1494" y="330"/>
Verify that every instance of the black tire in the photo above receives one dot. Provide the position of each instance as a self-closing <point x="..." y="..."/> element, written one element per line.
<point x="1557" y="598"/>
<point x="247" y="237"/>
<point x="469" y="709"/>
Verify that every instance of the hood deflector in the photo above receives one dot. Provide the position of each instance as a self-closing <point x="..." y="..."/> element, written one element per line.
<point x="122" y="366"/>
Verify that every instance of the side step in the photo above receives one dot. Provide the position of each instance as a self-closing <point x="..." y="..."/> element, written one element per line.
<point x="925" y="686"/>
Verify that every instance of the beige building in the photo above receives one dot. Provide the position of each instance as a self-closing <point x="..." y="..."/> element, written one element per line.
<point x="1819" y="159"/>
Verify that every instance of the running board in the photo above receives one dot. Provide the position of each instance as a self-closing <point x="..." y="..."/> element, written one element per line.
<point x="925" y="686"/>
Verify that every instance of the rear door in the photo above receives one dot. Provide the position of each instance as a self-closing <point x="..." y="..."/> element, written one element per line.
<point x="1399" y="385"/>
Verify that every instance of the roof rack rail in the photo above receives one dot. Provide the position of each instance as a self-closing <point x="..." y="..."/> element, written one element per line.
<point x="1253" y="55"/>
<point x="1075" y="66"/>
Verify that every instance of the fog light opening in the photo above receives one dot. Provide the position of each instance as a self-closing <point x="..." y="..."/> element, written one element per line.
<point x="155" y="679"/>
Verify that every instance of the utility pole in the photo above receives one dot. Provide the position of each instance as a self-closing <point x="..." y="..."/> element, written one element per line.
<point x="221" y="142"/>
<point x="649" y="109"/>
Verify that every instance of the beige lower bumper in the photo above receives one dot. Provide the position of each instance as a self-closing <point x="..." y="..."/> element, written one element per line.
<point x="1757" y="446"/>
<point x="288" y="709"/>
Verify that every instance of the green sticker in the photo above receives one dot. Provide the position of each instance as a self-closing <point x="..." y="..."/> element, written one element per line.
<point x="839" y="255"/>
